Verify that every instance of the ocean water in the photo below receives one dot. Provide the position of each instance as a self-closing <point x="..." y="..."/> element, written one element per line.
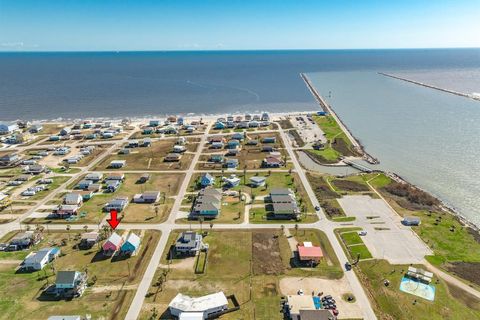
<point x="426" y="136"/>
<point x="110" y="84"/>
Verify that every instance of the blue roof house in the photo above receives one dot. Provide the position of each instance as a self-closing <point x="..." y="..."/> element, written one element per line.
<point x="238" y="136"/>
<point x="207" y="180"/>
<point x="219" y="125"/>
<point x="233" y="144"/>
<point x="231" y="163"/>
<point x="131" y="244"/>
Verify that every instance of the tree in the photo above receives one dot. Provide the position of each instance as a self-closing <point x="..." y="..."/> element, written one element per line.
<point x="85" y="228"/>
<point x="200" y="220"/>
<point x="156" y="211"/>
<point x="211" y="226"/>
<point x="296" y="228"/>
<point x="68" y="229"/>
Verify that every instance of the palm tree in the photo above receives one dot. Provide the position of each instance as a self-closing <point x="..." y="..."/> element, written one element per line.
<point x="68" y="229"/>
<point x="296" y="228"/>
<point x="200" y="220"/>
<point x="85" y="228"/>
<point x="211" y="226"/>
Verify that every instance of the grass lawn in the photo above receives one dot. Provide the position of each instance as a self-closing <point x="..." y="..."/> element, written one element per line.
<point x="238" y="265"/>
<point x="259" y="215"/>
<point x="57" y="181"/>
<point x="350" y="238"/>
<point x="151" y="158"/>
<point x="326" y="155"/>
<point x="20" y="292"/>
<point x="352" y="243"/>
<point x="391" y="303"/>
<point x="329" y="265"/>
<point x="273" y="180"/>
<point x="232" y="211"/>
<point x="167" y="184"/>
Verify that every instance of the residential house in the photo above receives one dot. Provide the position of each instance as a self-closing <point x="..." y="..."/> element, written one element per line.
<point x="207" y="307"/>
<point x="66" y="210"/>
<point x="147" y="197"/>
<point x="257" y="181"/>
<point x="284" y="204"/>
<point x="131" y="244"/>
<point x="25" y="239"/>
<point x="116" y="164"/>
<point x="232" y="152"/>
<point x="144" y="178"/>
<point x="208" y="203"/>
<point x="35" y="169"/>
<point x="173" y="157"/>
<point x="65" y="131"/>
<point x="238" y="136"/>
<point x="188" y="243"/>
<point x="6" y="128"/>
<point x="248" y="117"/>
<point x="207" y="180"/>
<point x="154" y="123"/>
<point x="95" y="187"/>
<point x="252" y="142"/>
<point x="219" y="126"/>
<point x="94" y="176"/>
<point x="54" y="138"/>
<point x="216" y="145"/>
<point x="84" y="184"/>
<point x="89" y="239"/>
<point x="231" y="163"/>
<point x="112" y="185"/>
<point x="73" y="199"/>
<point x="265" y="117"/>
<point x="117" y="204"/>
<point x="38" y="260"/>
<point x="272" y="162"/>
<point x="253" y="124"/>
<point x="115" y="176"/>
<point x="232" y="181"/>
<point x="217" y="158"/>
<point x="112" y="244"/>
<point x="70" y="283"/>
<point x="179" y="148"/>
<point x="269" y="140"/>
<point x="148" y="130"/>
<point x="305" y="307"/>
<point x="308" y="253"/>
<point x="9" y="159"/>
<point x="233" y="144"/>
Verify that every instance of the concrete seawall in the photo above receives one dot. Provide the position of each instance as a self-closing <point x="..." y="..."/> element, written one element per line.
<point x="326" y="107"/>
<point x="426" y="85"/>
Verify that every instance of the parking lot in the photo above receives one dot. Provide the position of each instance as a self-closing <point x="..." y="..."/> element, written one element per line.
<point x="386" y="237"/>
<point x="308" y="130"/>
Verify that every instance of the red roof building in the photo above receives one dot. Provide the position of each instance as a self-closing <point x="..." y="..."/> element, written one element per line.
<point x="308" y="252"/>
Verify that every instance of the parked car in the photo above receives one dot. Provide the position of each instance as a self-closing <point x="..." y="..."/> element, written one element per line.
<point x="362" y="233"/>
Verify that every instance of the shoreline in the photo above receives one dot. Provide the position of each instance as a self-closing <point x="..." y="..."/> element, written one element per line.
<point x="426" y="85"/>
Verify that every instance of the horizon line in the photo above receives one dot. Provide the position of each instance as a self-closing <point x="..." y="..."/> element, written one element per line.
<point x="231" y="50"/>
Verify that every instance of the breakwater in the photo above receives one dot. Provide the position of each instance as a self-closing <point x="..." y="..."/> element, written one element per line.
<point x="426" y="85"/>
<point x="326" y="107"/>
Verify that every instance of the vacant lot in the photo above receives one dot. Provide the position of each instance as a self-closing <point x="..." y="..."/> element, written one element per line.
<point x="21" y="292"/>
<point x="151" y="158"/>
<point x="238" y="263"/>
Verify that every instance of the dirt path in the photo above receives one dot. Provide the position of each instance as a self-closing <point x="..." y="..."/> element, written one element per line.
<point x="114" y="288"/>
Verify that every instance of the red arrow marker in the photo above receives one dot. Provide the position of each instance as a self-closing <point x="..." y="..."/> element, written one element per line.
<point x="113" y="221"/>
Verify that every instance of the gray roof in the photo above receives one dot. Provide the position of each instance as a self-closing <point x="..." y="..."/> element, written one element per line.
<point x="280" y="191"/>
<point x="186" y="239"/>
<point x="281" y="198"/>
<point x="66" y="277"/>
<point x="285" y="207"/>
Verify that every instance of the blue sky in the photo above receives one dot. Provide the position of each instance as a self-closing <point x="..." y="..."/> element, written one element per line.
<point x="38" y="25"/>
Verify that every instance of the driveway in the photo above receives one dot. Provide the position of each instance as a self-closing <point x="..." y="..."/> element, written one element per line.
<point x="387" y="238"/>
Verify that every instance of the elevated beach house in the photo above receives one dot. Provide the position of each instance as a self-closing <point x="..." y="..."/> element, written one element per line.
<point x="112" y="244"/>
<point x="131" y="244"/>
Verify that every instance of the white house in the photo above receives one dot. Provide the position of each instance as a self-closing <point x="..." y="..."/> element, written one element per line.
<point x="38" y="260"/>
<point x="73" y="199"/>
<point x="200" y="308"/>
<point x="6" y="128"/>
